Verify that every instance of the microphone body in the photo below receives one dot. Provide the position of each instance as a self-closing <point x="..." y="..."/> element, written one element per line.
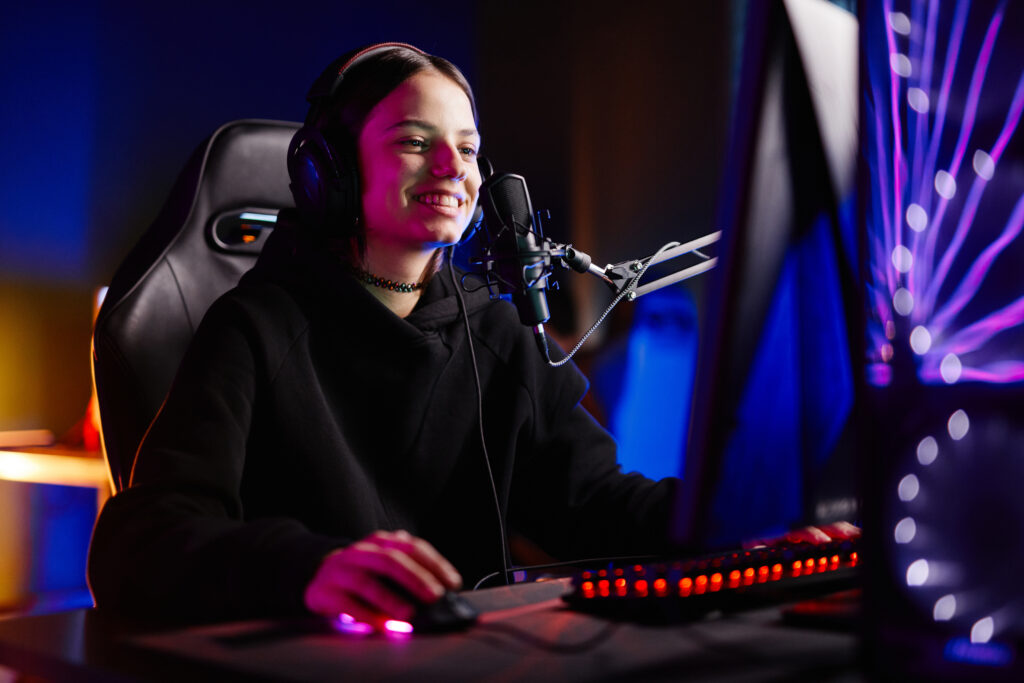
<point x="518" y="259"/>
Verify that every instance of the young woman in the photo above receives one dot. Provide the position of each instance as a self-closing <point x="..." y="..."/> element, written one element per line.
<point x="323" y="447"/>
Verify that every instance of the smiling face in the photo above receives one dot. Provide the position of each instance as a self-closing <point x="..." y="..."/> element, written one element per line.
<point x="417" y="162"/>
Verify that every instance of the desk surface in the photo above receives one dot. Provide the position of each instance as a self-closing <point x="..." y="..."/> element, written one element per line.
<point x="525" y="633"/>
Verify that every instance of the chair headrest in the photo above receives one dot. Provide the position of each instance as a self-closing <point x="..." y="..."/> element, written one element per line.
<point x="205" y="237"/>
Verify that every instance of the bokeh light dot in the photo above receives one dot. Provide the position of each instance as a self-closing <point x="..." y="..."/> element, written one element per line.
<point x="927" y="450"/>
<point x="908" y="488"/>
<point x="945" y="184"/>
<point x="917" y="217"/>
<point x="900" y="64"/>
<point x="918" y="100"/>
<point x="903" y="301"/>
<point x="950" y="368"/>
<point x="900" y="23"/>
<point x="917" y="573"/>
<point x="945" y="608"/>
<point x="958" y="425"/>
<point x="920" y="340"/>
<point x="902" y="259"/>
<point x="983" y="164"/>
<point x="982" y="630"/>
<point x="905" y="530"/>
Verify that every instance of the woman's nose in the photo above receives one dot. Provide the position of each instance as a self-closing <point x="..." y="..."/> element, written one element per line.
<point x="448" y="163"/>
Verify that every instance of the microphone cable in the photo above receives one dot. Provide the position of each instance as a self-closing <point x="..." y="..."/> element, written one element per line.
<point x="542" y="340"/>
<point x="480" y="412"/>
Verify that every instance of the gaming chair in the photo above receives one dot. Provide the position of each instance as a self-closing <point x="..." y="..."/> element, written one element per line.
<point x="209" y="232"/>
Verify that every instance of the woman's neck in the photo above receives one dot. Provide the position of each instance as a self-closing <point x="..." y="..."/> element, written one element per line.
<point x="400" y="265"/>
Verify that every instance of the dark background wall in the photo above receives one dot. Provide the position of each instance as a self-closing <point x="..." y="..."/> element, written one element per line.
<point x="616" y="116"/>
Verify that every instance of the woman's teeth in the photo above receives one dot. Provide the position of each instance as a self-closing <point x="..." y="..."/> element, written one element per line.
<point x="438" y="200"/>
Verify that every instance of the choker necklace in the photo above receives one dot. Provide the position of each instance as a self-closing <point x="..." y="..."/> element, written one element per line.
<point x="383" y="283"/>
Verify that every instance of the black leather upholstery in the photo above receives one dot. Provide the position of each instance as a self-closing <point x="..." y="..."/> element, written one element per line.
<point x="161" y="291"/>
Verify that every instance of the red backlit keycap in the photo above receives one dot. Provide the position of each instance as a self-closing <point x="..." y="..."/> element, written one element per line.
<point x="734" y="578"/>
<point x="797" y="567"/>
<point x="762" y="573"/>
<point x="776" y="572"/>
<point x="716" y="582"/>
<point x="660" y="587"/>
<point x="604" y="588"/>
<point x="685" y="586"/>
<point x="641" y="588"/>
<point x="748" y="576"/>
<point x="853" y="559"/>
<point x="822" y="564"/>
<point x="833" y="563"/>
<point x="620" y="587"/>
<point x="701" y="584"/>
<point x="588" y="589"/>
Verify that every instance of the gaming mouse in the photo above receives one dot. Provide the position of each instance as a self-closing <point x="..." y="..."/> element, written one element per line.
<point x="451" y="613"/>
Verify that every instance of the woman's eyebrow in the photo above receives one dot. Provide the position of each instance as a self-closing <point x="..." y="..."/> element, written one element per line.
<point x="419" y="123"/>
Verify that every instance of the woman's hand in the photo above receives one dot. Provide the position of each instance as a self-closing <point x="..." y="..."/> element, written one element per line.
<point x="838" y="531"/>
<point x="384" y="576"/>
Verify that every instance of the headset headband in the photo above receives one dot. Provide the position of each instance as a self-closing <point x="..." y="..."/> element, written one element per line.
<point x="330" y="80"/>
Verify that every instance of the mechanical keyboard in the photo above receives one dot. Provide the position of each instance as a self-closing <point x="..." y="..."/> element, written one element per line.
<point x="673" y="590"/>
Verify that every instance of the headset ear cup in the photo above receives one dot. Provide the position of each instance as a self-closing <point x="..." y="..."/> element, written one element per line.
<point x="326" y="192"/>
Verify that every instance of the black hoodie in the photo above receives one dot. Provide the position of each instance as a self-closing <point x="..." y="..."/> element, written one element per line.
<point x="306" y="415"/>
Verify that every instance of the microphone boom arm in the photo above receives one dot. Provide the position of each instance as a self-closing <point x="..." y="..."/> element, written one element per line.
<point x="622" y="276"/>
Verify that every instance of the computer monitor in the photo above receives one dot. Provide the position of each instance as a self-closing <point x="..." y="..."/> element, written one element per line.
<point x="943" y="211"/>
<point x="770" y="443"/>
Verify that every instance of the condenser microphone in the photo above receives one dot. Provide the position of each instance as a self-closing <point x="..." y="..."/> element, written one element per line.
<point x="518" y="259"/>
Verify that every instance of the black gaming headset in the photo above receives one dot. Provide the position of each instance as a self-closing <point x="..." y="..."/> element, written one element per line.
<point x="324" y="176"/>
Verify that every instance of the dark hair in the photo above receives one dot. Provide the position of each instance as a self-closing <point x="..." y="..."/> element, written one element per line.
<point x="341" y="118"/>
<point x="370" y="80"/>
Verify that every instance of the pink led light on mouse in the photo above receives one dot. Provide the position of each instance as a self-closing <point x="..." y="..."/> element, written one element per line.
<point x="396" y="626"/>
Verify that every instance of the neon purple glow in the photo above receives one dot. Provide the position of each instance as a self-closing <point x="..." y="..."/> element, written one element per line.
<point x="979" y="269"/>
<point x="966" y="128"/>
<point x="897" y="149"/>
<point x="925" y="59"/>
<point x="969" y="286"/>
<point x="967" y="316"/>
<point x="972" y="337"/>
<point x="924" y="181"/>
<point x="346" y="623"/>
<point x="952" y="55"/>
<point x="883" y="194"/>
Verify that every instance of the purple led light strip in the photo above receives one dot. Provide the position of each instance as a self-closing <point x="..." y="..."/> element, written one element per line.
<point x="924" y="180"/>
<point x="883" y="195"/>
<point x="980" y="268"/>
<point x="973" y="336"/>
<point x="897" y="132"/>
<point x="926" y="59"/>
<point x="967" y="288"/>
<point x="967" y="126"/>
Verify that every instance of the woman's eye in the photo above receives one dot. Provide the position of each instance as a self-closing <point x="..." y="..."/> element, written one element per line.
<point x="468" y="151"/>
<point x="415" y="144"/>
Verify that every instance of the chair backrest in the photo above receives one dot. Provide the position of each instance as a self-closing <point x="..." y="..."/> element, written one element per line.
<point x="207" y="235"/>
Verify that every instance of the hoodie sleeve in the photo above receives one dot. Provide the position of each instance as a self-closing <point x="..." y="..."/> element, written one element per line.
<point x="175" y="543"/>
